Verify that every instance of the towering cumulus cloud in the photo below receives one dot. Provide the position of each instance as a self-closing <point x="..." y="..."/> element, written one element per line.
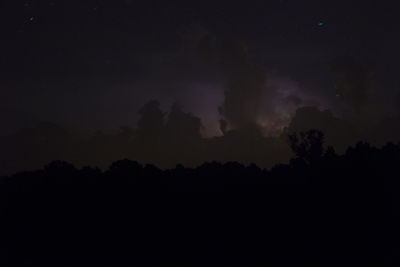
<point x="244" y="89"/>
<point x="355" y="83"/>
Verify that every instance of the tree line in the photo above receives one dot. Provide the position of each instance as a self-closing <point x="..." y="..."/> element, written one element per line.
<point x="319" y="209"/>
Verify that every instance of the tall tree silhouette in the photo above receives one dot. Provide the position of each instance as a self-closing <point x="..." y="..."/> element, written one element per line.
<point x="307" y="145"/>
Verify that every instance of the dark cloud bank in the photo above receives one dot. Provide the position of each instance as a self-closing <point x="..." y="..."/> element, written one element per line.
<point x="260" y="109"/>
<point x="166" y="138"/>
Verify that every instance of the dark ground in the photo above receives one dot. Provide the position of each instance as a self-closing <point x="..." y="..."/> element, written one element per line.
<point x="321" y="210"/>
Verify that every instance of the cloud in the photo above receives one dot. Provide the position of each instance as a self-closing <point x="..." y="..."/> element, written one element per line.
<point x="244" y="88"/>
<point x="252" y="95"/>
<point x="282" y="96"/>
<point x="355" y="83"/>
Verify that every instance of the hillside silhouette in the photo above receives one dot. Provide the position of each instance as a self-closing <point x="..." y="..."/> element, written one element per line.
<point x="320" y="209"/>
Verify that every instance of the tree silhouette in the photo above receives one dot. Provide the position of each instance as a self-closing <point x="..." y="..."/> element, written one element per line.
<point x="322" y="207"/>
<point x="307" y="145"/>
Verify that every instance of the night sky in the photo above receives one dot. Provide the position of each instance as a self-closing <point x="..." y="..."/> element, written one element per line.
<point x="90" y="65"/>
